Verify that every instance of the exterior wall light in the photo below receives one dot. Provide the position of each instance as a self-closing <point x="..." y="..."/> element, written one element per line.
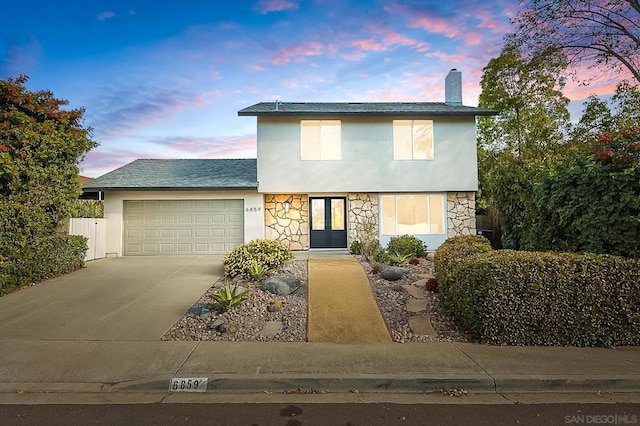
<point x="287" y="206"/>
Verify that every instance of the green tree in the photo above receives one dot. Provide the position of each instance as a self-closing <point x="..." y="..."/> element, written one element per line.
<point x="599" y="116"/>
<point x="40" y="147"/>
<point x="603" y="34"/>
<point x="528" y="133"/>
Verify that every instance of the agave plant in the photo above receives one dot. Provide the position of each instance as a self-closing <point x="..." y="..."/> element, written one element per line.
<point x="258" y="270"/>
<point x="229" y="296"/>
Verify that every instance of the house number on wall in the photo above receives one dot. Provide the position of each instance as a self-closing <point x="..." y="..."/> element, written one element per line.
<point x="254" y="209"/>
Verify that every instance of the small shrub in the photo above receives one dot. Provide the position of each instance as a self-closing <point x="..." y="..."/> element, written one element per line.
<point x="228" y="296"/>
<point x="431" y="285"/>
<point x="406" y="245"/>
<point x="375" y="269"/>
<point x="269" y="254"/>
<point x="355" y="247"/>
<point x="414" y="261"/>
<point x="381" y="256"/>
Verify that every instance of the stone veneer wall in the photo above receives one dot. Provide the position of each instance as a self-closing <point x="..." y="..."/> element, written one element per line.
<point x="461" y="213"/>
<point x="362" y="207"/>
<point x="290" y="228"/>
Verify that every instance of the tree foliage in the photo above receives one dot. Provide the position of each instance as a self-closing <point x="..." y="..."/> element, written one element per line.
<point x="602" y="34"/>
<point x="530" y="129"/>
<point x="592" y="202"/>
<point x="40" y="146"/>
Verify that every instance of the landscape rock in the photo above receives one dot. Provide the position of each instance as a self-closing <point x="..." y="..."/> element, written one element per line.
<point x="282" y="286"/>
<point x="201" y="311"/>
<point x="228" y="327"/>
<point x="215" y="325"/>
<point x="392" y="273"/>
<point x="275" y="306"/>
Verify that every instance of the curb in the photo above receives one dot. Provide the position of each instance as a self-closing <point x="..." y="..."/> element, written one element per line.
<point x="353" y="384"/>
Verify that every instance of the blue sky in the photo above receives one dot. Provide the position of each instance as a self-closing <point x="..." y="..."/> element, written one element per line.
<point x="165" y="79"/>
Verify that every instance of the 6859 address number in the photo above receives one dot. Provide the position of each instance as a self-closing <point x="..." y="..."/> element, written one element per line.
<point x="191" y="384"/>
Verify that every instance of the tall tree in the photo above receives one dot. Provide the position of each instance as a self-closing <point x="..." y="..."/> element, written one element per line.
<point x="532" y="125"/>
<point x="595" y="33"/>
<point x="40" y="146"/>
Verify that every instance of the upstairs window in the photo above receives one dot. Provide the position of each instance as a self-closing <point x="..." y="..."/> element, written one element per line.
<point x="413" y="139"/>
<point x="320" y="140"/>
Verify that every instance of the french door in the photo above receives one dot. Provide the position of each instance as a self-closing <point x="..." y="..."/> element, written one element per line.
<point x="328" y="222"/>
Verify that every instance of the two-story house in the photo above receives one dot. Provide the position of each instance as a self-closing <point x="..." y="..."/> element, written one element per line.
<point x="324" y="172"/>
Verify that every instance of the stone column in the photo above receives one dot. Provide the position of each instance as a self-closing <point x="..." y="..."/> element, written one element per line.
<point x="363" y="208"/>
<point x="292" y="227"/>
<point x="461" y="213"/>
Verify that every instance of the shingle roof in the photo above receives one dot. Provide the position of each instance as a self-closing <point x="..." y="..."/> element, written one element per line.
<point x="179" y="175"/>
<point x="362" y="108"/>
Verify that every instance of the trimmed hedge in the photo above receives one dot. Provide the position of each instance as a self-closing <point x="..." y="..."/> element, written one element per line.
<point x="46" y="258"/>
<point x="545" y="298"/>
<point x="454" y="250"/>
<point x="269" y="254"/>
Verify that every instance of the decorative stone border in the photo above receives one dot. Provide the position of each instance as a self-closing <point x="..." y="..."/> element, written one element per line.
<point x="461" y="213"/>
<point x="291" y="228"/>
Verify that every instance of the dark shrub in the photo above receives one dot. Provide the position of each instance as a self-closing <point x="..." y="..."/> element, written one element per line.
<point x="45" y="258"/>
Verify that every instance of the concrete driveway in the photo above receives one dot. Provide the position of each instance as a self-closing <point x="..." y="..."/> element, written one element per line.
<point x="126" y="298"/>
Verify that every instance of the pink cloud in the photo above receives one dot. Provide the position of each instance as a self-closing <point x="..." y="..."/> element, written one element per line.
<point x="267" y="6"/>
<point x="298" y="50"/>
<point x="258" y="68"/>
<point x="368" y="44"/>
<point x="393" y="38"/>
<point x="102" y="16"/>
<point x="472" y="38"/>
<point x="434" y="24"/>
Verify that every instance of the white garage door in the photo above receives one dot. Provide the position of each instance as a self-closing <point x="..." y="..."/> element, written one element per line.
<point x="156" y="227"/>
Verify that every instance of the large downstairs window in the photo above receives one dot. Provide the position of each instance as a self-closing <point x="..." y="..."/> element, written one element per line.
<point x="320" y="140"/>
<point x="413" y="139"/>
<point x="415" y="214"/>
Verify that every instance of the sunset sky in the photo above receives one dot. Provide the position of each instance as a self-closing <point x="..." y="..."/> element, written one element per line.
<point x="165" y="79"/>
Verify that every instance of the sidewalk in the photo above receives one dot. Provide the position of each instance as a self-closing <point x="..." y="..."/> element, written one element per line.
<point x="32" y="366"/>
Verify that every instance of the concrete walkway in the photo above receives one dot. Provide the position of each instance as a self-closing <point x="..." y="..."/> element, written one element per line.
<point x="341" y="305"/>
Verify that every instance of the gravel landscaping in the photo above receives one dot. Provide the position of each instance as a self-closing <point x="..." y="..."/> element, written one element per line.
<point x="264" y="316"/>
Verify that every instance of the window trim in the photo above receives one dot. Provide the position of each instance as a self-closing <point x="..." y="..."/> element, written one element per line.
<point x="428" y="205"/>
<point x="320" y="125"/>
<point x="412" y="123"/>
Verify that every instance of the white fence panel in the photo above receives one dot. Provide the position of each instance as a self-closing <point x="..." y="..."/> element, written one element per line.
<point x="95" y="231"/>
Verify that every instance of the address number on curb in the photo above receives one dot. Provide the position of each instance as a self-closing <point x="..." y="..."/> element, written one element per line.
<point x="190" y="384"/>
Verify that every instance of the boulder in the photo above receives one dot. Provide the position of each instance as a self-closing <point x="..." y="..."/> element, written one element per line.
<point x="392" y="273"/>
<point x="281" y="286"/>
<point x="228" y="327"/>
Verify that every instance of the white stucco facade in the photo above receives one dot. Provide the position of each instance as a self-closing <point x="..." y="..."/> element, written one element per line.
<point x="367" y="163"/>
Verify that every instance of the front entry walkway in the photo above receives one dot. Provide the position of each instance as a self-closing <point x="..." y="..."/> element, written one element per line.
<point x="342" y="308"/>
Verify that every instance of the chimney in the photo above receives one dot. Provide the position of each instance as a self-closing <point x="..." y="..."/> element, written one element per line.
<point x="453" y="88"/>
